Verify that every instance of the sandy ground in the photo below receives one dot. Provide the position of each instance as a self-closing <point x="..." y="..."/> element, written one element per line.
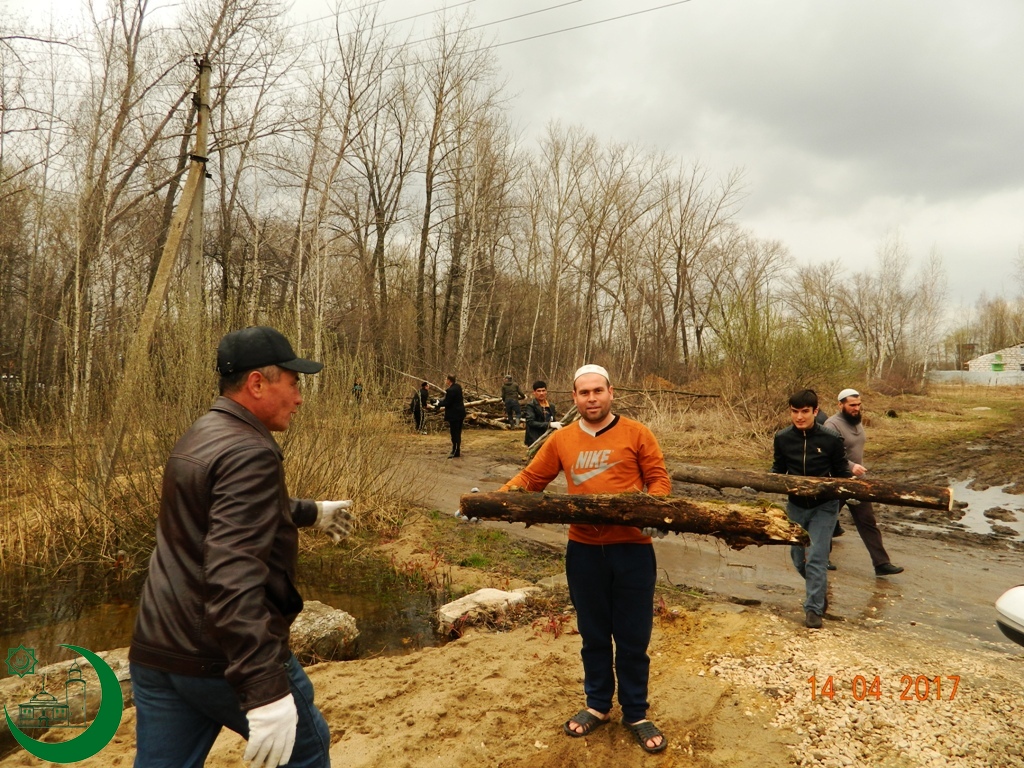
<point x="730" y="686"/>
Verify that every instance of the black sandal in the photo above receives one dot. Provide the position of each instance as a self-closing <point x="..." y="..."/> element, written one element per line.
<point x="644" y="731"/>
<point x="586" y="720"/>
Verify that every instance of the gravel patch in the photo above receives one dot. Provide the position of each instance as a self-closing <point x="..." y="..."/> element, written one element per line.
<point x="886" y="708"/>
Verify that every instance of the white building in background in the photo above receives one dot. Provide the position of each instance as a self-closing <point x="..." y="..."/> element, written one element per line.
<point x="1004" y="368"/>
<point x="1009" y="359"/>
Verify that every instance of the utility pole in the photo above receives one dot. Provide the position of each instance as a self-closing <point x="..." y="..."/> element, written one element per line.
<point x="194" y="266"/>
<point x="137" y="356"/>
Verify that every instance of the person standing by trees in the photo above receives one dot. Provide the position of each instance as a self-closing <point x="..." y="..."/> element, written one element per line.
<point x="611" y="569"/>
<point x="454" y="413"/>
<point x="539" y="414"/>
<point x="847" y="422"/>
<point x="210" y="644"/>
<point x="811" y="449"/>
<point x="510" y="396"/>
<point x="420" y="398"/>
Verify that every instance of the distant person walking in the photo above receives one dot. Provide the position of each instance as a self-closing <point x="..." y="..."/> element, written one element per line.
<point x="510" y="396"/>
<point x="847" y="422"/>
<point x="813" y="450"/>
<point x="539" y="414"/>
<point x="357" y="391"/>
<point x="454" y="413"/>
<point x="420" y="399"/>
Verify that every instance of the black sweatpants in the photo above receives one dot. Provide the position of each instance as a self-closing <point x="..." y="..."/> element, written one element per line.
<point x="612" y="588"/>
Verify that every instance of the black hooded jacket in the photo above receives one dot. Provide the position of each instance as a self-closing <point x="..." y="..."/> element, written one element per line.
<point x="814" y="452"/>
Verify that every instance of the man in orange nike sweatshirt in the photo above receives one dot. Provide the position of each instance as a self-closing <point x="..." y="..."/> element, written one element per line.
<point x="610" y="569"/>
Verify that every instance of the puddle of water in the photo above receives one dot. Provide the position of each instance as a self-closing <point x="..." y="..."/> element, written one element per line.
<point x="394" y="614"/>
<point x="86" y="609"/>
<point x="978" y="502"/>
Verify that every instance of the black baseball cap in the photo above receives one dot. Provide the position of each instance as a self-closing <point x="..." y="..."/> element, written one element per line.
<point x="257" y="346"/>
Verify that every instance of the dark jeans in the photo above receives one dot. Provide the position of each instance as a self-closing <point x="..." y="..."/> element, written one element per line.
<point x="178" y="717"/>
<point x="455" y="430"/>
<point x="612" y="589"/>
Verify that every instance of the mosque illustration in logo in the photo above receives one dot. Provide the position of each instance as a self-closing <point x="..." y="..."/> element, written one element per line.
<point x="44" y="710"/>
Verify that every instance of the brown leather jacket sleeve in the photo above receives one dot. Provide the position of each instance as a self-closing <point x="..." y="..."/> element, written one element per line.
<point x="244" y="517"/>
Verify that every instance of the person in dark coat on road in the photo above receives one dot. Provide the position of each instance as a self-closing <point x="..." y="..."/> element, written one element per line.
<point x="813" y="450"/>
<point x="454" y="413"/>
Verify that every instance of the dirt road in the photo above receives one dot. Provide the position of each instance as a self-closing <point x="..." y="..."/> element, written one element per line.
<point x="949" y="586"/>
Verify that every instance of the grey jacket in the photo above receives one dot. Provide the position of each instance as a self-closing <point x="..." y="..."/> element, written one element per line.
<point x="853" y="437"/>
<point x="511" y="391"/>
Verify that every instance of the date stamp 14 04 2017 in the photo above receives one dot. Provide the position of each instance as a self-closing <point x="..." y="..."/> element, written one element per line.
<point x="910" y="688"/>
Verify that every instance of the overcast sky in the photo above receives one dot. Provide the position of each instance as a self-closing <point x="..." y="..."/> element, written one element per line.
<point x="851" y="120"/>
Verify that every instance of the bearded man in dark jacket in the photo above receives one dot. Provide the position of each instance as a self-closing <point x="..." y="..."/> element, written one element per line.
<point x="539" y="414"/>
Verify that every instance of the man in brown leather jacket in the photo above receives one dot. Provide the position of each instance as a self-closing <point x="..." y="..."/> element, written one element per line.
<point x="210" y="646"/>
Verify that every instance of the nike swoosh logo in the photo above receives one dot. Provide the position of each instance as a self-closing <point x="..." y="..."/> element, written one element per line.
<point x="583" y="477"/>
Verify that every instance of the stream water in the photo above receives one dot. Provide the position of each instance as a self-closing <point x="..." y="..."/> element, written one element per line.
<point x="394" y="613"/>
<point x="1005" y="511"/>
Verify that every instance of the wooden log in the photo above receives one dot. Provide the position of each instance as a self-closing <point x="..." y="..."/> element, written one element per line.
<point x="475" y="417"/>
<point x="738" y="525"/>
<point x="486" y="400"/>
<point x="899" y="494"/>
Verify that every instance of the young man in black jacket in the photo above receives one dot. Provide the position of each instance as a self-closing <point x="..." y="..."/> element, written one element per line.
<point x="810" y="449"/>
<point x="539" y="414"/>
<point x="420" y="401"/>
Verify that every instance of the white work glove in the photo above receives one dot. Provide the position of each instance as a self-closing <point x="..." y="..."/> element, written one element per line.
<point x="271" y="733"/>
<point x="555" y="425"/>
<point x="334" y="518"/>
<point x="654" y="533"/>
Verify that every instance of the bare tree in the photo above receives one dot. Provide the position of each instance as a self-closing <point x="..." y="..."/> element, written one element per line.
<point x="452" y="63"/>
<point x="369" y="198"/>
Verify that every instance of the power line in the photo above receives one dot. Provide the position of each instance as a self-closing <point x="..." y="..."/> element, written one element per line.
<point x="588" y="24"/>
<point x="311" y="66"/>
<point x="507" y="18"/>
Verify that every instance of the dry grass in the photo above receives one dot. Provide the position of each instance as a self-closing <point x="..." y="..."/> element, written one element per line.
<point x="54" y="512"/>
<point x="55" y="509"/>
<point x="714" y="432"/>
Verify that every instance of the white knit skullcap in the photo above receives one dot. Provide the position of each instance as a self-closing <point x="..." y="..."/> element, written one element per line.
<point x="591" y="368"/>
<point x="848" y="393"/>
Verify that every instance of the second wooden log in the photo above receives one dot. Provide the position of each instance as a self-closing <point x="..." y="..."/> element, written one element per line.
<point x="899" y="494"/>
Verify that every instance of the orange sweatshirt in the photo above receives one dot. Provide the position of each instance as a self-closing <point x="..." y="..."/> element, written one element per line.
<point x="623" y="457"/>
